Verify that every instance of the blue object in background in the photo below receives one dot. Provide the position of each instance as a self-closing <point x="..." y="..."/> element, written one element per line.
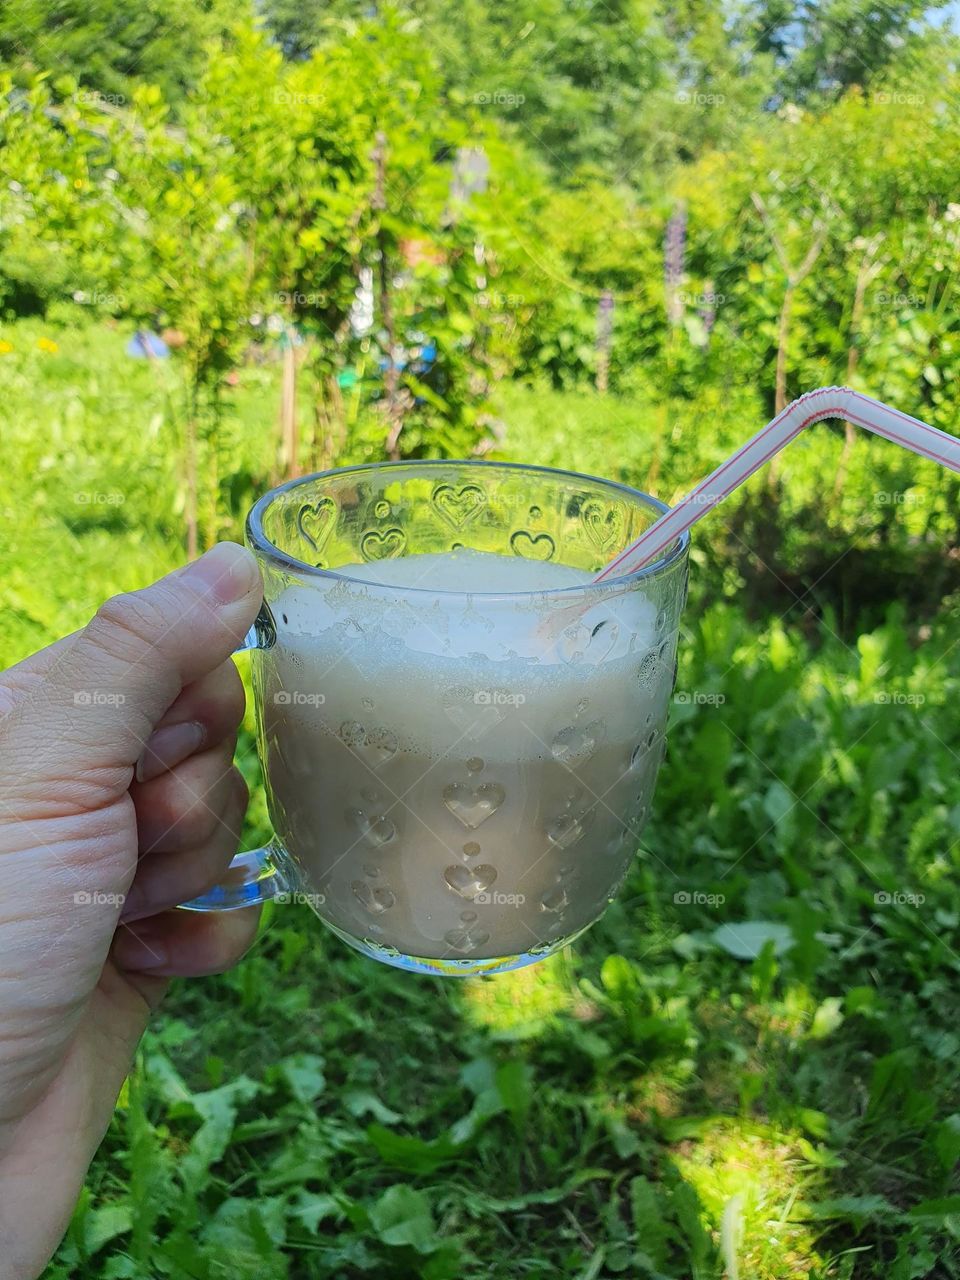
<point x="144" y="343"/>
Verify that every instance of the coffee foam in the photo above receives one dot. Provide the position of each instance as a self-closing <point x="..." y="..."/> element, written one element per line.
<point x="460" y="672"/>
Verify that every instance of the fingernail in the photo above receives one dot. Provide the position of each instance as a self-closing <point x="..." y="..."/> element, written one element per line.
<point x="168" y="746"/>
<point x="134" y="948"/>
<point x="227" y="571"/>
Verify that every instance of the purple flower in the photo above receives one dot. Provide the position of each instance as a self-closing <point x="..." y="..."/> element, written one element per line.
<point x="674" y="243"/>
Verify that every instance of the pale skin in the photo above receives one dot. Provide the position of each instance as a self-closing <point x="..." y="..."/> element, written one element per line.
<point x="118" y="800"/>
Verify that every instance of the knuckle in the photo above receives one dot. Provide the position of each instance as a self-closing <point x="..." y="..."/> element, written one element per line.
<point x="205" y="819"/>
<point x="126" y="623"/>
<point x="194" y="805"/>
<point x="181" y="818"/>
<point x="234" y="941"/>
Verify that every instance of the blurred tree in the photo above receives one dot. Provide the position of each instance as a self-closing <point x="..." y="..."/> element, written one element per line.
<point x="299" y="26"/>
<point x="821" y="49"/>
<point x="108" y="46"/>
<point x="611" y="90"/>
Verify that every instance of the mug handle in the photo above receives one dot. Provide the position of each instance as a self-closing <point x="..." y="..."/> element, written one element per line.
<point x="259" y="874"/>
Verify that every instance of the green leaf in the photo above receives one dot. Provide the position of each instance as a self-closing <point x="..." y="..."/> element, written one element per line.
<point x="105" y="1224"/>
<point x="120" y="1267"/>
<point x="827" y="1018"/>
<point x="360" y="1103"/>
<point x="731" y="1234"/>
<point x="618" y="977"/>
<point x="515" y="1087"/>
<point x="763" y="972"/>
<point x="249" y="1233"/>
<point x="941" y="1211"/>
<point x="747" y="939"/>
<point x="486" y="1105"/>
<point x="479" y="1076"/>
<point x="218" y="1110"/>
<point x="402" y="1216"/>
<point x="303" y="1073"/>
<point x="891" y="1080"/>
<point x="946" y="1143"/>
<point x="311" y="1208"/>
<point x="650" y="1230"/>
<point x="410" y="1153"/>
<point x="551" y="1195"/>
<point x="857" y="1209"/>
<point x="871" y="659"/>
<point x="778" y="802"/>
<point x="815" y="1122"/>
<point x="688" y="1211"/>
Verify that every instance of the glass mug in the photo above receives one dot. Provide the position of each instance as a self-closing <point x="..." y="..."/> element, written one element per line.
<point x="457" y="779"/>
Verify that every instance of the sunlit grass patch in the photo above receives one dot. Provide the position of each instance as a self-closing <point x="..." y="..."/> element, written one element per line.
<point x="521" y="1003"/>
<point x="657" y="1095"/>
<point x="752" y="1180"/>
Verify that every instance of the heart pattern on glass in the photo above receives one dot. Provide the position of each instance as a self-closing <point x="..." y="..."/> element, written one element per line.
<point x="466" y="939"/>
<point x="382" y="546"/>
<point x="580" y="643"/>
<point x="458" y="506"/>
<point x="374" y="746"/>
<point x="376" y="901"/>
<point x="541" y="547"/>
<point x="603" y="524"/>
<point x="315" y="520"/>
<point x="471" y="717"/>
<point x="473" y="805"/>
<point x="470" y="881"/>
<point x="577" y="743"/>
<point x="569" y="827"/>
<point x="375" y="829"/>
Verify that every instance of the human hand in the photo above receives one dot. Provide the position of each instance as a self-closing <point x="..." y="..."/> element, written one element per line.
<point x="118" y="800"/>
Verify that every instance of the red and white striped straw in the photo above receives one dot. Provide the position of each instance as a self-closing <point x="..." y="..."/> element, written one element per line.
<point x="826" y="402"/>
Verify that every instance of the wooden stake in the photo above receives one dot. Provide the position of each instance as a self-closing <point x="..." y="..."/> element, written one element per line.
<point x="391" y="375"/>
<point x="795" y="277"/>
<point x="867" y="273"/>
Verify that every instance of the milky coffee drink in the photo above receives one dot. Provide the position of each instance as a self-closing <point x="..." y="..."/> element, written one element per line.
<point x="450" y="789"/>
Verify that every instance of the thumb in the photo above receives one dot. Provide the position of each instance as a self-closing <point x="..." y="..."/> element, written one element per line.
<point x="90" y="716"/>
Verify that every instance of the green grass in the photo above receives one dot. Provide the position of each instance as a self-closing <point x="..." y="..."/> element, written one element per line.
<point x="647" y="1103"/>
